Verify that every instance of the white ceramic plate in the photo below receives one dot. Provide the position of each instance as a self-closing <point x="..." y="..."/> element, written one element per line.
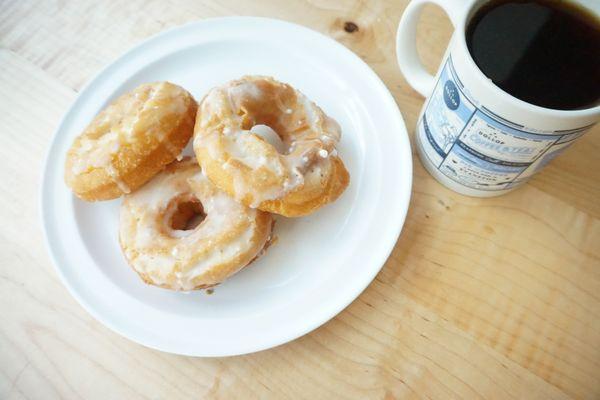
<point x="319" y="264"/>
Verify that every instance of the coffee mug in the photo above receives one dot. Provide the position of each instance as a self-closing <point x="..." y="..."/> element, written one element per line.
<point x="472" y="136"/>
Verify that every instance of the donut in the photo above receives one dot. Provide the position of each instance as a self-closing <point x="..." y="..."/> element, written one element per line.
<point x="269" y="147"/>
<point x="180" y="232"/>
<point x="130" y="141"/>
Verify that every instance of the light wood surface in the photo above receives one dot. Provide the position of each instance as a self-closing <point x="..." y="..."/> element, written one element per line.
<point x="481" y="298"/>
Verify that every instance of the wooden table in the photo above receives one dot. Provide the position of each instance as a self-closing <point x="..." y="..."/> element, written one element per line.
<point x="481" y="298"/>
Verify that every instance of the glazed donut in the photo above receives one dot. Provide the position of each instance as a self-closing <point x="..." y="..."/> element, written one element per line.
<point x="292" y="172"/>
<point x="161" y="243"/>
<point x="130" y="141"/>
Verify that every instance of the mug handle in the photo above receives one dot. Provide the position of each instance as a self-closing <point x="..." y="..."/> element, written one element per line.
<point x="406" y="42"/>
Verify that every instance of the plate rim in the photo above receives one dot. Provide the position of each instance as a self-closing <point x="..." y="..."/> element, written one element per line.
<point x="341" y="302"/>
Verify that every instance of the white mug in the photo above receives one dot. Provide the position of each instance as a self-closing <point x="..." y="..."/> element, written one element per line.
<point x="472" y="136"/>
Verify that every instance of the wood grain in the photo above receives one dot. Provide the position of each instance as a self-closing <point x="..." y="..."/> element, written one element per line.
<point x="481" y="298"/>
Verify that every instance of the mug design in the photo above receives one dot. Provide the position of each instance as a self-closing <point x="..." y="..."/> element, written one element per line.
<point x="477" y="148"/>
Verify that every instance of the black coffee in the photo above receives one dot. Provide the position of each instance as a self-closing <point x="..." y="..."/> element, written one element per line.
<point x="545" y="52"/>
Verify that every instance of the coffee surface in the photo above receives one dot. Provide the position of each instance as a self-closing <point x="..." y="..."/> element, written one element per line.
<point x="545" y="52"/>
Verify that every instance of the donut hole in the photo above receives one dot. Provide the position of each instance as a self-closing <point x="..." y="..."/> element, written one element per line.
<point x="270" y="136"/>
<point x="187" y="215"/>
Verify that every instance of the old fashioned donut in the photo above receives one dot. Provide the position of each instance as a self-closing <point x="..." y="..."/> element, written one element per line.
<point x="291" y="172"/>
<point x="181" y="232"/>
<point x="130" y="141"/>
